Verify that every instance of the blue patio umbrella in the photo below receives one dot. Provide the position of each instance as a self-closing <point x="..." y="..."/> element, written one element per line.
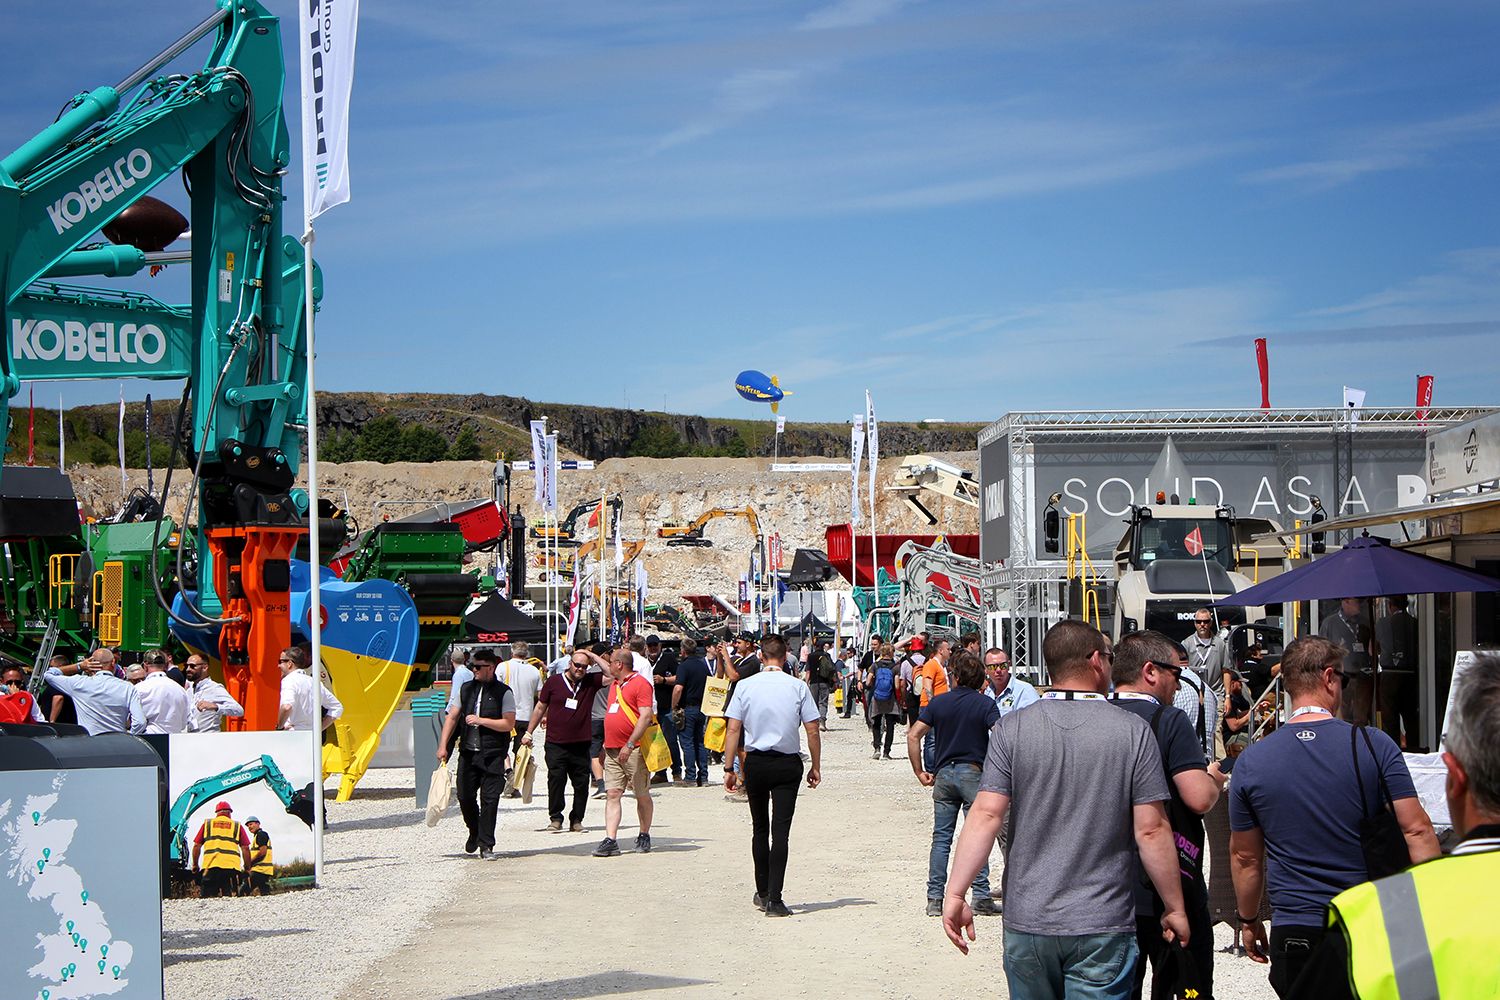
<point x="1366" y="567"/>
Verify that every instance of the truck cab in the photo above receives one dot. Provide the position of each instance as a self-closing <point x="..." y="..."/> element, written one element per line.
<point x="1172" y="560"/>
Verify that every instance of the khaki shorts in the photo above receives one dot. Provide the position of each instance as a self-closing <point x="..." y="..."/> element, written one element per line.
<point x="631" y="774"/>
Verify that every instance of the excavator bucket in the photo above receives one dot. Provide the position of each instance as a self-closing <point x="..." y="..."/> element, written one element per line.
<point x="370" y="633"/>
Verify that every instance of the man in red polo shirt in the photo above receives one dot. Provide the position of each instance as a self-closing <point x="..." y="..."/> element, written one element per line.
<point x="629" y="711"/>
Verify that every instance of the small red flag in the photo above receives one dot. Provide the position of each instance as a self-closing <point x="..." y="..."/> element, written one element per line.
<point x="594" y="518"/>
<point x="1194" y="542"/>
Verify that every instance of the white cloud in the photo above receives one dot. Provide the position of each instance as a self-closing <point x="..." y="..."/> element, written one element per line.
<point x="742" y="95"/>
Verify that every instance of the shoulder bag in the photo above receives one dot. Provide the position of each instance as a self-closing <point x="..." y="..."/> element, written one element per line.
<point x="1380" y="835"/>
<point x="654" y="750"/>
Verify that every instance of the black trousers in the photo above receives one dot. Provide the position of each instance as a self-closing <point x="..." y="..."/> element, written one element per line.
<point x="913" y="709"/>
<point x="886" y="722"/>
<point x="220" y="882"/>
<point x="1154" y="947"/>
<point x="1291" y="949"/>
<point x="567" y="762"/>
<point x="1398" y="707"/>
<point x="771" y="782"/>
<point x="481" y="779"/>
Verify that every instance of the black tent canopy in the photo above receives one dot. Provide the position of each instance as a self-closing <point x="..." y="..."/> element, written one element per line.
<point x="498" y="620"/>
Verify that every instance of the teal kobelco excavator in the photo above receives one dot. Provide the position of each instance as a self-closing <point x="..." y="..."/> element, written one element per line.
<point x="228" y="577"/>
<point x="205" y="790"/>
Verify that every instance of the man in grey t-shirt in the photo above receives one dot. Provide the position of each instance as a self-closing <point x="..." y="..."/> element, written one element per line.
<point x="1086" y="785"/>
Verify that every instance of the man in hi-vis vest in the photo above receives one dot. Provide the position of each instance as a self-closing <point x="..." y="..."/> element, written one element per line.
<point x="1431" y="931"/>
<point x="221" y="851"/>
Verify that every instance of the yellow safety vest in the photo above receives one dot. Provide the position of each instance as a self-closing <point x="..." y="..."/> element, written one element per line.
<point x="263" y="866"/>
<point x="221" y="844"/>
<point x="1431" y="933"/>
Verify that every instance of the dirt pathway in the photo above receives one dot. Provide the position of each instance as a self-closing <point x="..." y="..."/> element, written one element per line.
<point x="547" y="920"/>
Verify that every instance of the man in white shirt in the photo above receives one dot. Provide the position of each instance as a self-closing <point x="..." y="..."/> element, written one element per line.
<point x="461" y="675"/>
<point x="212" y="703"/>
<point x="103" y="702"/>
<point x="165" y="701"/>
<point x="297" y="695"/>
<point x="770" y="706"/>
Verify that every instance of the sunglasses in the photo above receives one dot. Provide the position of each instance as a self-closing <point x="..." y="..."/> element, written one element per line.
<point x="1170" y="668"/>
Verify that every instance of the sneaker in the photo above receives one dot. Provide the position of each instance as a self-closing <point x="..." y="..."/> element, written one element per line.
<point x="485" y="854"/>
<point x="472" y="844"/>
<point x="515" y="793"/>
<point x="676" y="776"/>
<point x="702" y="782"/>
<point x="875" y="755"/>
<point x="984" y="906"/>
<point x="659" y="778"/>
<point x="555" y="826"/>
<point x="776" y="908"/>
<point x="643" y="843"/>
<point x="759" y="902"/>
<point x="608" y="848"/>
<point x="600" y="793"/>
<point x="575" y="828"/>
<point x="889" y="757"/>
<point x="934" y="907"/>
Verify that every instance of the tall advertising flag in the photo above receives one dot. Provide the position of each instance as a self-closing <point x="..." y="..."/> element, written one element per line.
<point x="328" y="30"/>
<point x="1424" y="396"/>
<point x="573" y="603"/>
<point x="1263" y="362"/>
<point x="873" y="430"/>
<point x="540" y="467"/>
<point x="549" y="486"/>
<point x="856" y="453"/>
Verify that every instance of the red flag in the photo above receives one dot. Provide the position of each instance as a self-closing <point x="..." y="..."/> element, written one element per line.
<point x="1264" y="362"/>
<point x="594" y="518"/>
<point x="1424" y="395"/>
<point x="1194" y="542"/>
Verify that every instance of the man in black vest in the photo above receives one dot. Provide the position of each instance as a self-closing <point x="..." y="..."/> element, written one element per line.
<point x="482" y="719"/>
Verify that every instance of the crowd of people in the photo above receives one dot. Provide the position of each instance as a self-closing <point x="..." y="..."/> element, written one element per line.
<point x="153" y="695"/>
<point x="1094" y="790"/>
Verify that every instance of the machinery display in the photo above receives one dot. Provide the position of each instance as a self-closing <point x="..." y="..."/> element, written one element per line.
<point x="565" y="532"/>
<point x="228" y="573"/>
<point x="918" y="473"/>
<point x="939" y="590"/>
<point x="692" y="532"/>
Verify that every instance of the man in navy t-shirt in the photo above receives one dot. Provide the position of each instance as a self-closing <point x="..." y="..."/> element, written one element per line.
<point x="959" y="720"/>
<point x="1295" y="805"/>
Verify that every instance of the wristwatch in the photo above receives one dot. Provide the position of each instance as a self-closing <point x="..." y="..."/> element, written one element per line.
<point x="1245" y="921"/>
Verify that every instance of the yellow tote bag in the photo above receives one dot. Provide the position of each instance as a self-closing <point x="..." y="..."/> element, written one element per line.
<point x="655" y="753"/>
<point x="713" y="735"/>
<point x="715" y="696"/>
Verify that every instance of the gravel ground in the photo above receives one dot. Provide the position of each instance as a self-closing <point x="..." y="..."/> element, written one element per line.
<point x="406" y="915"/>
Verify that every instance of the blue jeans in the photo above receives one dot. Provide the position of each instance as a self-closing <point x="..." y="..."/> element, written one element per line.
<point x="953" y="789"/>
<point x="1077" y="967"/>
<point x="929" y="750"/>
<point x="694" y="753"/>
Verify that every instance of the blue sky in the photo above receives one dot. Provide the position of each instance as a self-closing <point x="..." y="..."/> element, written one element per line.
<point x="966" y="207"/>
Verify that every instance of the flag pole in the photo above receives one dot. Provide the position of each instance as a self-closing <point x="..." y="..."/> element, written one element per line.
<point x="315" y="602"/>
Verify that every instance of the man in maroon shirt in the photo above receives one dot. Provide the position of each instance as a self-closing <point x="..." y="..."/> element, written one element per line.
<point x="564" y="706"/>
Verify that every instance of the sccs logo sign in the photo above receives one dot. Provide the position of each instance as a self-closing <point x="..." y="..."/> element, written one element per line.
<point x="494" y="637"/>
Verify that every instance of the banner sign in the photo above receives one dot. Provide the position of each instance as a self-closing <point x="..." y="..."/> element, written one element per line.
<point x="856" y="453"/>
<point x="328" y="32"/>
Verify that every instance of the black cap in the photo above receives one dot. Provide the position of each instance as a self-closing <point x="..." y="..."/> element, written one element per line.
<point x="653" y="640"/>
<point x="745" y="636"/>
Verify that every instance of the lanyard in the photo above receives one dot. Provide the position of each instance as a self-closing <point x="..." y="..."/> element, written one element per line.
<point x="1074" y="696"/>
<point x="1309" y="710"/>
<point x="1134" y="696"/>
<point x="572" y="690"/>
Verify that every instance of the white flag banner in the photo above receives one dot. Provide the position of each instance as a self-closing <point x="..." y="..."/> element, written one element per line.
<point x="549" y="484"/>
<point x="641" y="579"/>
<point x="619" y="548"/>
<point x="1353" y="400"/>
<point x="856" y="453"/>
<point x="781" y="425"/>
<point x="539" y="466"/>
<point x="327" y="43"/>
<point x="573" y="604"/>
<point x="873" y="430"/>
<point x="122" y="438"/>
<point x="62" y="443"/>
